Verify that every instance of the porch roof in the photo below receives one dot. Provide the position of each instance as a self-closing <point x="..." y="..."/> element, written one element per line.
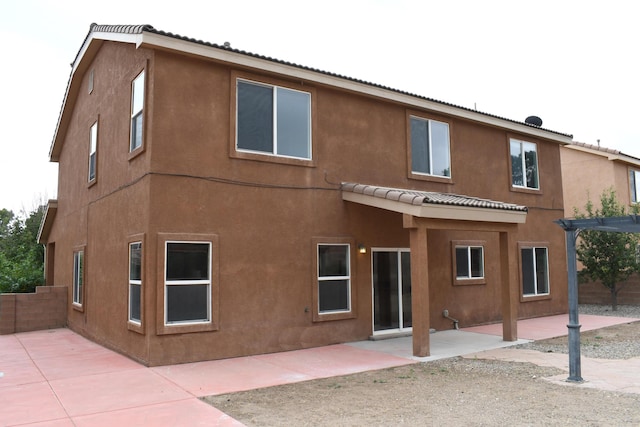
<point x="430" y="204"/>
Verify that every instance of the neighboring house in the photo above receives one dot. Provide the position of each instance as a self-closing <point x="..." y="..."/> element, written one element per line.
<point x="214" y="203"/>
<point x="587" y="172"/>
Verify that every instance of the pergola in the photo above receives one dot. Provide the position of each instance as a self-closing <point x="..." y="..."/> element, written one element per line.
<point x="572" y="228"/>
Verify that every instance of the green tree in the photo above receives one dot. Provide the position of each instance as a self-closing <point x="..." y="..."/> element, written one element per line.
<point x="21" y="257"/>
<point x="609" y="257"/>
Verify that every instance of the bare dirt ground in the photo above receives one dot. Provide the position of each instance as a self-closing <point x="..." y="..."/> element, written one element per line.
<point x="456" y="391"/>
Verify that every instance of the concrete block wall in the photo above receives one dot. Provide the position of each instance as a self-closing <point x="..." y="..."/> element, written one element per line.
<point x="44" y="309"/>
<point x="596" y="293"/>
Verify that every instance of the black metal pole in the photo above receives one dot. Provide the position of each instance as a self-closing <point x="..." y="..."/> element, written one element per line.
<point x="573" y="326"/>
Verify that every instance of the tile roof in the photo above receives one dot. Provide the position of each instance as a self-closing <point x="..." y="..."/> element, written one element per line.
<point x="139" y="29"/>
<point x="419" y="198"/>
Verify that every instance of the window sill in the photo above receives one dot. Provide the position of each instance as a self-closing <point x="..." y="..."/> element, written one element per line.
<point x="531" y="298"/>
<point x="431" y="178"/>
<point x="272" y="158"/>
<point x="135" y="153"/>
<point x="469" y="282"/>
<point x="327" y="317"/>
<point x="92" y="183"/>
<point x="135" y="327"/>
<point x="77" y="307"/>
<point x="526" y="190"/>
<point x="187" y="328"/>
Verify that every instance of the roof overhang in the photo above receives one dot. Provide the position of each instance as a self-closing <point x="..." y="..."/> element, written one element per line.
<point x="47" y="221"/>
<point x="423" y="204"/>
<point x="609" y="154"/>
<point x="147" y="37"/>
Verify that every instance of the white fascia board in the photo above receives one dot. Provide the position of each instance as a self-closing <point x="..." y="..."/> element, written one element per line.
<point x="189" y="47"/>
<point x="621" y="157"/>
<point x="462" y="213"/>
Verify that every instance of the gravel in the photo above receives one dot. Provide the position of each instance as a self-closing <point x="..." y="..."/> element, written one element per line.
<point x="620" y="342"/>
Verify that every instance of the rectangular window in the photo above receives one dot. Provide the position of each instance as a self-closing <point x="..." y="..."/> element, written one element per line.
<point x="187" y="282"/>
<point x="93" y="148"/>
<point x="524" y="164"/>
<point x="137" y="108"/>
<point x="334" y="278"/>
<point x="634" y="183"/>
<point x="90" y="83"/>
<point x="135" y="282"/>
<point x="469" y="262"/>
<point x="535" y="271"/>
<point x="78" y="276"/>
<point x="430" y="147"/>
<point x="273" y="120"/>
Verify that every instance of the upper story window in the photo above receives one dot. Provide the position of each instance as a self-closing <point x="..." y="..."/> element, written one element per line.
<point x="137" y="108"/>
<point x="524" y="164"/>
<point x="430" y="147"/>
<point x="273" y="120"/>
<point x="634" y="183"/>
<point x="93" y="148"/>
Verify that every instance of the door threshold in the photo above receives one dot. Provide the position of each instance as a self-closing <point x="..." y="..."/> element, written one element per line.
<point x="391" y="335"/>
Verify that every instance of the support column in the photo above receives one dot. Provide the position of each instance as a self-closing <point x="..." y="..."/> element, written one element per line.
<point x="420" y="291"/>
<point x="574" y="325"/>
<point x="509" y="287"/>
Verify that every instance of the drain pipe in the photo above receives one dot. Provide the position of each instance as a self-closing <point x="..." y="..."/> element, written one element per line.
<point x="445" y="314"/>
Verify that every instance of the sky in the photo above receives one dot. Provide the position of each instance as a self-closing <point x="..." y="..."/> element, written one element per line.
<point x="573" y="63"/>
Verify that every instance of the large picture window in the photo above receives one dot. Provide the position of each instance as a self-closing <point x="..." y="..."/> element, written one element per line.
<point x="634" y="184"/>
<point x="187" y="282"/>
<point x="524" y="164"/>
<point x="535" y="271"/>
<point x="78" y="277"/>
<point x="135" y="282"/>
<point x="93" y="150"/>
<point x="430" y="147"/>
<point x="334" y="278"/>
<point x="137" y="108"/>
<point x="273" y="120"/>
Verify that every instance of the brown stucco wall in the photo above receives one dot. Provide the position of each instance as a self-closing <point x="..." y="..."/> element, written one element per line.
<point x="596" y="293"/>
<point x="46" y="308"/>
<point x="263" y="213"/>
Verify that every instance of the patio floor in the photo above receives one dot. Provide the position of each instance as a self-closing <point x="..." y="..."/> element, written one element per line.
<point x="58" y="378"/>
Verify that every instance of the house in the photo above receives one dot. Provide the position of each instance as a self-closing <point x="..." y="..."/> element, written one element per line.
<point x="215" y="203"/>
<point x="588" y="171"/>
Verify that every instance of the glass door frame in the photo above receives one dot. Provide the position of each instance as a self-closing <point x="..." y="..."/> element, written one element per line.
<point x="400" y="329"/>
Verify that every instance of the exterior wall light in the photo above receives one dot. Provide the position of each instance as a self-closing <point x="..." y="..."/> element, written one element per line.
<point x="362" y="249"/>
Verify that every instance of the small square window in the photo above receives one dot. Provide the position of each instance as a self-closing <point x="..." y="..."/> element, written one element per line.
<point x="469" y="262"/>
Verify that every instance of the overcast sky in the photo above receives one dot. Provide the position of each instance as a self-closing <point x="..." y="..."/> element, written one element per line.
<point x="573" y="63"/>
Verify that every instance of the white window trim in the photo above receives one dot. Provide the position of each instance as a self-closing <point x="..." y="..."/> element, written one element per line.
<point x="430" y="147"/>
<point x="135" y="283"/>
<point x="634" y="186"/>
<point x="535" y="272"/>
<point x="78" y="277"/>
<point x="468" y="248"/>
<point x="93" y="152"/>
<point x="328" y="278"/>
<point x="135" y="113"/>
<point x="274" y="119"/>
<point x="187" y="282"/>
<point x="524" y="164"/>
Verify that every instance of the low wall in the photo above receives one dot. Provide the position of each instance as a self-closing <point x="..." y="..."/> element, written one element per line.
<point x="596" y="293"/>
<point x="44" y="309"/>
